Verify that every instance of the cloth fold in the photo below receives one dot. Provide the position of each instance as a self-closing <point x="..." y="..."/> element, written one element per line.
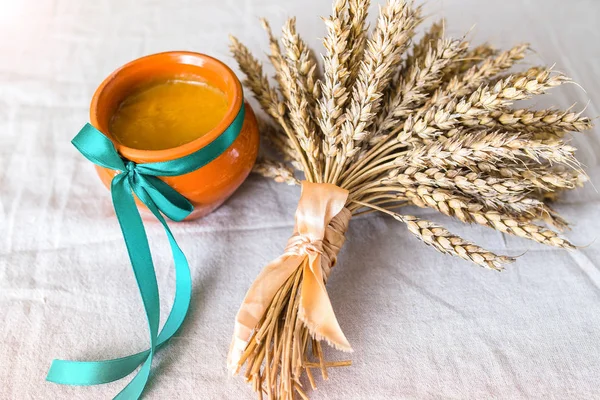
<point x="319" y="234"/>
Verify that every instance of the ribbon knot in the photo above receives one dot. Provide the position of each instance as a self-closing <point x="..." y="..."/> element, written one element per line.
<point x="300" y="244"/>
<point x="142" y="181"/>
<point x="130" y="166"/>
<point x="131" y="172"/>
<point x="319" y="233"/>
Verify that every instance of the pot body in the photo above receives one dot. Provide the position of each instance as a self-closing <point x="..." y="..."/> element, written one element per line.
<point x="209" y="186"/>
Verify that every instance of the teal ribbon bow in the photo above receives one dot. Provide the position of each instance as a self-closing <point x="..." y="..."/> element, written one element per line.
<point x="142" y="180"/>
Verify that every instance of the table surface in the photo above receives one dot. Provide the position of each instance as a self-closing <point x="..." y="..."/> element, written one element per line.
<point x="423" y="325"/>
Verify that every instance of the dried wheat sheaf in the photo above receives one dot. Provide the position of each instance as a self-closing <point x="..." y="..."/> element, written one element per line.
<point x="396" y="122"/>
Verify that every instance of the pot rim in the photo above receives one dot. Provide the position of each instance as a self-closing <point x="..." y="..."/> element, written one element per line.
<point x="175" y="57"/>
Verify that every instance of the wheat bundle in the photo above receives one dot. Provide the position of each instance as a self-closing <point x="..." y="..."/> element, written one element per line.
<point x="384" y="122"/>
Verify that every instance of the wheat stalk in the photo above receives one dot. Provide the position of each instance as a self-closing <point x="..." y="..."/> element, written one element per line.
<point x="423" y="46"/>
<point x="445" y="242"/>
<point x="461" y="84"/>
<point x="275" y="170"/>
<point x="468" y="211"/>
<point x="470" y="59"/>
<point x="296" y="86"/>
<point x="258" y="83"/>
<point x="334" y="87"/>
<point x="503" y="194"/>
<point x="541" y="124"/>
<point x="302" y="60"/>
<point x="420" y="77"/>
<point x="471" y="148"/>
<point x="357" y="39"/>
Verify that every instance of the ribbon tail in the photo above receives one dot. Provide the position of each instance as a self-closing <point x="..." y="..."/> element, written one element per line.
<point x="136" y="242"/>
<point x="257" y="300"/>
<point x="183" y="277"/>
<point x="89" y="373"/>
<point x="86" y="373"/>
<point x="97" y="372"/>
<point x="315" y="308"/>
<point x="135" y="388"/>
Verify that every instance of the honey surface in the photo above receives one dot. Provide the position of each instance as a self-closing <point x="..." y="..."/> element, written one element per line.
<point x="168" y="114"/>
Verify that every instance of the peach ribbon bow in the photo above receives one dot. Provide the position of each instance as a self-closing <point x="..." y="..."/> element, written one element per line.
<point x="321" y="221"/>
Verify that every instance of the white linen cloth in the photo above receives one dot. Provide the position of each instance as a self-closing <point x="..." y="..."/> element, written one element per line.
<point x="423" y="325"/>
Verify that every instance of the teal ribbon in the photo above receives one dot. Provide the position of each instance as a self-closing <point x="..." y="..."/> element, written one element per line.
<point x="142" y="180"/>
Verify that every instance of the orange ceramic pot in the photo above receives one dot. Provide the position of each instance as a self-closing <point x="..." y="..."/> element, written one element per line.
<point x="209" y="186"/>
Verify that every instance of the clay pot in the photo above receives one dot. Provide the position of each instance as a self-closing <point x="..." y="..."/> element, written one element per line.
<point x="209" y="186"/>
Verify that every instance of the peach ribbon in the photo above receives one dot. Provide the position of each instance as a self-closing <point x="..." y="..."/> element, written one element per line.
<point x="321" y="222"/>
